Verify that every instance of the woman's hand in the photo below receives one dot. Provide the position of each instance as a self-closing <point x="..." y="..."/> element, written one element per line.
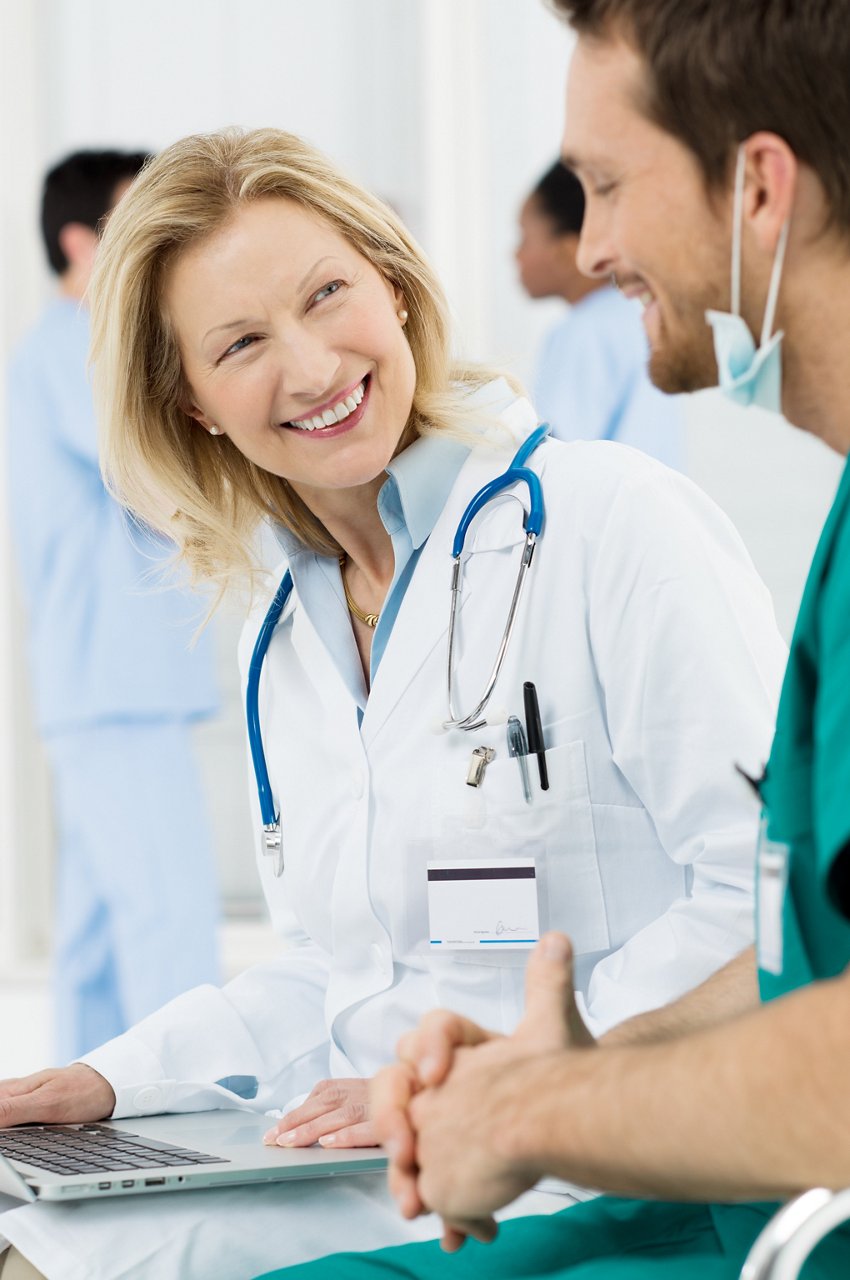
<point x="336" y="1114"/>
<point x="62" y="1095"/>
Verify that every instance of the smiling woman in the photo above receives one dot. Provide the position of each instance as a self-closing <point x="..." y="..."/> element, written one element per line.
<point x="271" y="345"/>
<point x="261" y="251"/>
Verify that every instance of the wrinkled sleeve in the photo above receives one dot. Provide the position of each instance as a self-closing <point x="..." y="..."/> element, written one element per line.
<point x="259" y="1041"/>
<point x="256" y="1042"/>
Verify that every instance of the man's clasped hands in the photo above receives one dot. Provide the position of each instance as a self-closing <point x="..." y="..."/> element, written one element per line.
<point x="461" y="1112"/>
<point x="453" y="1112"/>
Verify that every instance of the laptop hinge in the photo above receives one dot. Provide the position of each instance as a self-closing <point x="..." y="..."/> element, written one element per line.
<point x="12" y="1184"/>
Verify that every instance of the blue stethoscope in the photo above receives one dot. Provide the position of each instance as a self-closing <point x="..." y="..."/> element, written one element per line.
<point x="517" y="472"/>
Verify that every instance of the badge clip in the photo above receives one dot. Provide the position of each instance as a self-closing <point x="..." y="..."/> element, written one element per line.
<point x="479" y="761"/>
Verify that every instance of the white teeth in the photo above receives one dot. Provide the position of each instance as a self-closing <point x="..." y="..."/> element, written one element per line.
<point x="645" y="298"/>
<point x="330" y="417"/>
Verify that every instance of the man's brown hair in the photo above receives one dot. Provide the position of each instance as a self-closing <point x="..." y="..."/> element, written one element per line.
<point x="719" y="70"/>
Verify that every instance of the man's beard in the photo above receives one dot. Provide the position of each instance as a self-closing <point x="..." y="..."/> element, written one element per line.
<point x="685" y="362"/>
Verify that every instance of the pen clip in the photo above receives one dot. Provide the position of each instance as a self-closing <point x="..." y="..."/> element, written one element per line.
<point x="517" y="744"/>
<point x="755" y="784"/>
<point x="518" y="750"/>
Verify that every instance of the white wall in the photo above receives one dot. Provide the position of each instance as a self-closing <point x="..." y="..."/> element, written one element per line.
<point x="448" y="108"/>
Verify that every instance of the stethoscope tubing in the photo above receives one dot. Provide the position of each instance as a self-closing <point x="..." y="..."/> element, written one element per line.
<point x="533" y="521"/>
<point x="516" y="473"/>
<point x="271" y="819"/>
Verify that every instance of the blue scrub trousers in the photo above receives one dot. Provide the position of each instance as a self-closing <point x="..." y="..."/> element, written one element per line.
<point x="136" y="903"/>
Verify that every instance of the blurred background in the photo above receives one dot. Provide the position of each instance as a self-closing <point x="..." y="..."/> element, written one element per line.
<point x="450" y="110"/>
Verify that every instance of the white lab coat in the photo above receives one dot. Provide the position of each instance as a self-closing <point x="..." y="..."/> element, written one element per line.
<point x="657" y="662"/>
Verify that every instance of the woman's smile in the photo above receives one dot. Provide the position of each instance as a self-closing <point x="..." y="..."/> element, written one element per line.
<point x="337" y="417"/>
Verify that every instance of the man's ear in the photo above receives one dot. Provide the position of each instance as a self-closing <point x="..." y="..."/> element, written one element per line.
<point x="770" y="187"/>
<point x="79" y="244"/>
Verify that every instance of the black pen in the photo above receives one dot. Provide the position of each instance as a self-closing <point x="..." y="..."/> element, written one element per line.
<point x="534" y="732"/>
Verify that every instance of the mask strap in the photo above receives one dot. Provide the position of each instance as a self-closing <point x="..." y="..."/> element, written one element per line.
<point x="775" y="277"/>
<point x="737" y="228"/>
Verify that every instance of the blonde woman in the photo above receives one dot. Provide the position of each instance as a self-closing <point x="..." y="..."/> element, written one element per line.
<point x="271" y="346"/>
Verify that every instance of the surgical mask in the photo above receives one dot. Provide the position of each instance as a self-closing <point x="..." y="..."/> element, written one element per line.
<point x="746" y="375"/>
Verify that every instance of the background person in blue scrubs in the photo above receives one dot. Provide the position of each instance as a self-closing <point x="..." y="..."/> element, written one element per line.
<point x="116" y="687"/>
<point x="591" y="381"/>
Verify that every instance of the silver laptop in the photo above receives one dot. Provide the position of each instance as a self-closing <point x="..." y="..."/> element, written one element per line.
<point x="160" y="1153"/>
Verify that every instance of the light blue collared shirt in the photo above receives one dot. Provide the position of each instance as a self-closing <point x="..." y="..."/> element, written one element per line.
<point x="418" y="484"/>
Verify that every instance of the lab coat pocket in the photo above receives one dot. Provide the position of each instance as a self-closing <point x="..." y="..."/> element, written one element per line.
<point x="570" y="883"/>
<point x="493" y="821"/>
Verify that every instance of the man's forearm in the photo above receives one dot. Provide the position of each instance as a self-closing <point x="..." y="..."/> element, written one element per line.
<point x="730" y="991"/>
<point x="755" y="1108"/>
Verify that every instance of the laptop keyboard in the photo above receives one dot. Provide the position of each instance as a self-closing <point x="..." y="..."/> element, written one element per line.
<point x="92" y="1148"/>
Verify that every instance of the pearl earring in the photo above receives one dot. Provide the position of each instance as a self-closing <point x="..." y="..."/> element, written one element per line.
<point x="215" y="431"/>
<point x="402" y="315"/>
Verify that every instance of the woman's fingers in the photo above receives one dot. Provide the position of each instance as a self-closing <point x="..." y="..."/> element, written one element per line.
<point x="304" y="1135"/>
<point x="352" y="1135"/>
<point x="332" y="1105"/>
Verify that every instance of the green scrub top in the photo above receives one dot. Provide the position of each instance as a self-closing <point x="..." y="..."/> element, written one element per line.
<point x="806" y="790"/>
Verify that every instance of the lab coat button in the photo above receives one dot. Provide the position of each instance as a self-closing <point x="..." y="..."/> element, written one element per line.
<point x="357" y="783"/>
<point x="148" y="1099"/>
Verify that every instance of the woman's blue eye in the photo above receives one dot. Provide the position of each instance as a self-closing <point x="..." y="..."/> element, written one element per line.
<point x="329" y="289"/>
<point x="239" y="345"/>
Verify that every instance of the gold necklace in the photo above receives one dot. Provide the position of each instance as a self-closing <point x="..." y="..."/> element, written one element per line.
<point x="369" y="619"/>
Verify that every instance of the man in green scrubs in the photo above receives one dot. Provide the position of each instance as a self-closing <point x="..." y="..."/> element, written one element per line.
<point x="704" y="132"/>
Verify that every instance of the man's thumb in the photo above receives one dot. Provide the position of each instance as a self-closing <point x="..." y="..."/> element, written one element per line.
<point x="552" y="1020"/>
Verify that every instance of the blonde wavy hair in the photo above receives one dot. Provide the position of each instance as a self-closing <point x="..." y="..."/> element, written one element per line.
<point x="200" y="491"/>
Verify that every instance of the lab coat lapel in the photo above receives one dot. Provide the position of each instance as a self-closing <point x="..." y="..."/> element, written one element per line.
<point x="423" y="618"/>
<point x="315" y="659"/>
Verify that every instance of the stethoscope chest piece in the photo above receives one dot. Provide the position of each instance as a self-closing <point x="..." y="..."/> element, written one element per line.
<point x="273" y="846"/>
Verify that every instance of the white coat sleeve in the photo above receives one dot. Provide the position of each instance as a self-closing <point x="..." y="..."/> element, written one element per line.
<point x="256" y="1042"/>
<point x="690" y="664"/>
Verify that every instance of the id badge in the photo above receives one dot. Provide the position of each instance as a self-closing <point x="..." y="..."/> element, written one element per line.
<point x="480" y="904"/>
<point x="772" y="880"/>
